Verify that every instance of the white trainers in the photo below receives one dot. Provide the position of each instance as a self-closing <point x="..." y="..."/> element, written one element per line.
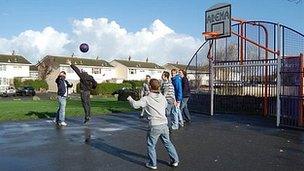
<point x="148" y="165"/>
<point x="54" y="121"/>
<point x="174" y="164"/>
<point x="63" y="124"/>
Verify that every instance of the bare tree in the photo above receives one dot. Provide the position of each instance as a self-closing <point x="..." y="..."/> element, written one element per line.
<point x="44" y="69"/>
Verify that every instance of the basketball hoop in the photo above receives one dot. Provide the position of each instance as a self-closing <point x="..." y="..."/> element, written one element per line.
<point x="210" y="35"/>
<point x="218" y="21"/>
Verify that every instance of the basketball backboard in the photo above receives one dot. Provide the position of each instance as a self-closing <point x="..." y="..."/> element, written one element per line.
<point x="218" y="19"/>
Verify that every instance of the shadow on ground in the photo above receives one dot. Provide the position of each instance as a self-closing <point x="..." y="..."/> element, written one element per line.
<point x="41" y="115"/>
<point x="124" y="154"/>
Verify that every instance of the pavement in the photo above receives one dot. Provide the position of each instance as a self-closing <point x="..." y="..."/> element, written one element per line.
<point x="117" y="142"/>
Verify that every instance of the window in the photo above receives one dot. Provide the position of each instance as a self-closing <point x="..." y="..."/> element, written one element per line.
<point x="17" y="67"/>
<point x="132" y="71"/>
<point x="3" y="81"/>
<point x="152" y="72"/>
<point x="96" y="70"/>
<point x="34" y="74"/>
<point x="2" y="67"/>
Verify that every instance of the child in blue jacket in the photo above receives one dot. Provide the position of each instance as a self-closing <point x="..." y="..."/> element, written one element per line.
<point x="177" y="118"/>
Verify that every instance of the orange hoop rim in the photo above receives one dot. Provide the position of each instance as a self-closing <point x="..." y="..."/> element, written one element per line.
<point x="211" y="34"/>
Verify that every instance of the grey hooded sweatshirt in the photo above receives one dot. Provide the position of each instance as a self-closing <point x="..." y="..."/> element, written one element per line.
<point x="155" y="107"/>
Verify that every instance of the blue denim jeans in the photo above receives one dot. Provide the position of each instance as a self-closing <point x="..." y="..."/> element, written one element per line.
<point x="60" y="115"/>
<point x="185" y="110"/>
<point x="176" y="118"/>
<point x="169" y="109"/>
<point x="154" y="133"/>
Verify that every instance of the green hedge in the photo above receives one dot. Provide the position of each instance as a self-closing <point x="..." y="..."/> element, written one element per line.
<point x="36" y="84"/>
<point x="106" y="88"/>
<point x="17" y="82"/>
<point x="135" y="83"/>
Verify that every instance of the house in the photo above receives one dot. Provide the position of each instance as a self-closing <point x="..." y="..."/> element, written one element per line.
<point x="12" y="66"/>
<point x="136" y="70"/>
<point x="201" y="72"/>
<point x="50" y="66"/>
<point x="34" y="72"/>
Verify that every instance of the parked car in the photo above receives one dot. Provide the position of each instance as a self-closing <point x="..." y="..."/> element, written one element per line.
<point x="26" y="91"/>
<point x="10" y="91"/>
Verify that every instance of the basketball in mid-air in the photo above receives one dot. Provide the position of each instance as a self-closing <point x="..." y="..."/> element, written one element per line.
<point x="84" y="47"/>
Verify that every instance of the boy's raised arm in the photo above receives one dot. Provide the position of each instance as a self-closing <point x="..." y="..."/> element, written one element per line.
<point x="137" y="104"/>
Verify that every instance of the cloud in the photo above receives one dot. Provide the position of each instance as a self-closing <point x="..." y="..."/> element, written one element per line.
<point x="34" y="44"/>
<point x="108" y="40"/>
<point x="4" y="14"/>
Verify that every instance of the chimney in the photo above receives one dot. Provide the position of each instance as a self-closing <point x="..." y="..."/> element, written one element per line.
<point x="13" y="52"/>
<point x="177" y="62"/>
<point x="129" y="58"/>
<point x="147" y="60"/>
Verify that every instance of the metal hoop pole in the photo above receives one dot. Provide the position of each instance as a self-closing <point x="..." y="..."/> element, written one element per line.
<point x="279" y="57"/>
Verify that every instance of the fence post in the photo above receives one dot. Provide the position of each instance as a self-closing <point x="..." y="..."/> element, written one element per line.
<point x="301" y="92"/>
<point x="212" y="82"/>
<point x="212" y="87"/>
<point x="279" y="63"/>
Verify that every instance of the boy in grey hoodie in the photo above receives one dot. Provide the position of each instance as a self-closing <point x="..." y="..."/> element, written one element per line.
<point x="155" y="107"/>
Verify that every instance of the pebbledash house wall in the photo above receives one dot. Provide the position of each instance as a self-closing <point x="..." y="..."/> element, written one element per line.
<point x="8" y="71"/>
<point x="135" y="73"/>
<point x="106" y="74"/>
<point x="120" y="71"/>
<point x="140" y="73"/>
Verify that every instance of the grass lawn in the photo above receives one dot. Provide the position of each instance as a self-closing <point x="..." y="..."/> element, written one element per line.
<point x="16" y="110"/>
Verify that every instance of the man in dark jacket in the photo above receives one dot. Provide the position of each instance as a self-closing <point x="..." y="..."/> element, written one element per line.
<point x="62" y="85"/>
<point x="87" y="83"/>
<point x="186" y="95"/>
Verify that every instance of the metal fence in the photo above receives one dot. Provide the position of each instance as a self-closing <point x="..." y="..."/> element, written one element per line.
<point x="245" y="72"/>
<point x="292" y="91"/>
<point x="247" y="88"/>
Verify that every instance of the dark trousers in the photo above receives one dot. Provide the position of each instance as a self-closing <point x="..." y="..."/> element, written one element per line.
<point x="85" y="99"/>
<point x="185" y="110"/>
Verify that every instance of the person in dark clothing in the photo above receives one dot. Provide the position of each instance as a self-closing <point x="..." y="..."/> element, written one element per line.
<point x="87" y="83"/>
<point x="62" y="85"/>
<point x="186" y="95"/>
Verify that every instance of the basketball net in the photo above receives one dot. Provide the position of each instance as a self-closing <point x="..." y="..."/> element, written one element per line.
<point x="210" y="36"/>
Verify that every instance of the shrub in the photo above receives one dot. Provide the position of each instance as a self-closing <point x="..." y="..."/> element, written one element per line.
<point x="17" y="82"/>
<point x="135" y="83"/>
<point x="106" y="89"/>
<point x="36" y="84"/>
<point x="124" y="94"/>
